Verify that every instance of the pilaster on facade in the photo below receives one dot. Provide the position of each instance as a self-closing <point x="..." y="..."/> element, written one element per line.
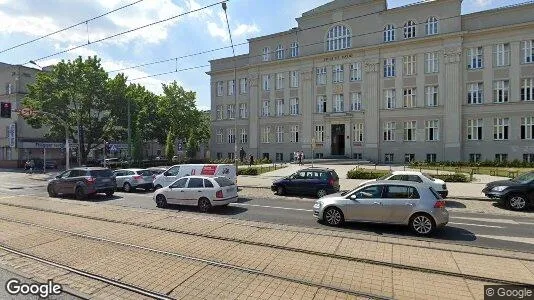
<point x="453" y="95"/>
<point x="371" y="92"/>
<point x="307" y="110"/>
<point x="254" y="111"/>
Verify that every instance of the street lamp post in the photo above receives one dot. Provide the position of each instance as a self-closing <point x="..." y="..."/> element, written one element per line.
<point x="235" y="85"/>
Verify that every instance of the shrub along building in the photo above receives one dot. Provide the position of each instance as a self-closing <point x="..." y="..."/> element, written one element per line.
<point x="356" y="79"/>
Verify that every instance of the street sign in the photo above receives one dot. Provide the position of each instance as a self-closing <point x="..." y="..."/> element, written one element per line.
<point x="12" y="135"/>
<point x="113" y="148"/>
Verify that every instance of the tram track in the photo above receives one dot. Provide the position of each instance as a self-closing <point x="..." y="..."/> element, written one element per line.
<point x="248" y="242"/>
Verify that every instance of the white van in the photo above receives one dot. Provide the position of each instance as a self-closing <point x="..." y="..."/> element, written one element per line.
<point x="178" y="171"/>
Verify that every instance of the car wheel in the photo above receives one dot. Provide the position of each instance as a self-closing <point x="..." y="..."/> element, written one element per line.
<point x="51" y="191"/>
<point x="422" y="224"/>
<point x="110" y="193"/>
<point x="204" y="205"/>
<point x="516" y="202"/>
<point x="333" y="216"/>
<point x="280" y="191"/>
<point x="80" y="193"/>
<point x="126" y="187"/>
<point x="157" y="187"/>
<point x="321" y="193"/>
<point x="161" y="201"/>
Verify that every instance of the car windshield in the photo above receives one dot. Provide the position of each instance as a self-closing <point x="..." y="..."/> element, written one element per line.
<point x="144" y="173"/>
<point x="385" y="176"/>
<point x="524" y="178"/>
<point x="101" y="173"/>
<point x="436" y="194"/>
<point x="429" y="176"/>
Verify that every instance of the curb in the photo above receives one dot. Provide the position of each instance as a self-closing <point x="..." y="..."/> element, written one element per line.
<point x="448" y="197"/>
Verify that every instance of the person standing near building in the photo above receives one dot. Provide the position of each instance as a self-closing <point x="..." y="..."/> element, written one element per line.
<point x="251" y="160"/>
<point x="300" y="158"/>
<point x="242" y="154"/>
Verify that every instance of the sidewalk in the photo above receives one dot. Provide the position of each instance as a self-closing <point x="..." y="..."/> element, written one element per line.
<point x="457" y="190"/>
<point x="399" y="268"/>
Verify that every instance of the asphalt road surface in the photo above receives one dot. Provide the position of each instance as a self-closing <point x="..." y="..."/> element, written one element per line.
<point x="476" y="229"/>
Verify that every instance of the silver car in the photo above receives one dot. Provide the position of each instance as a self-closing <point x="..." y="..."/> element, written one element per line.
<point x="398" y="202"/>
<point x="131" y="179"/>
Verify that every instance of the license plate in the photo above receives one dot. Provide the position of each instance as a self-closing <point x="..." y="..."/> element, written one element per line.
<point x="106" y="180"/>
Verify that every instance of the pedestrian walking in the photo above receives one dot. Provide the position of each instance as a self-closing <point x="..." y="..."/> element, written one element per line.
<point x="32" y="165"/>
<point x="251" y="160"/>
<point x="27" y="166"/>
<point x="300" y="158"/>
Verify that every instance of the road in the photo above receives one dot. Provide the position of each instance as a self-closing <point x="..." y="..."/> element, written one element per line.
<point x="475" y="229"/>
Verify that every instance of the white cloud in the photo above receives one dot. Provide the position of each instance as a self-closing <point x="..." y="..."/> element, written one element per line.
<point x="219" y="29"/>
<point x="483" y="3"/>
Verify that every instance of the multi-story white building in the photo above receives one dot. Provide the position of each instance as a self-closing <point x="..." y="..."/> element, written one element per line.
<point x="356" y="79"/>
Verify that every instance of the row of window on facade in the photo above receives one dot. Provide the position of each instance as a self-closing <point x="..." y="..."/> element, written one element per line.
<point x="473" y="157"/>
<point x="501" y="131"/>
<point x="339" y="37"/>
<point x="475" y="95"/>
<point x="475" y="60"/>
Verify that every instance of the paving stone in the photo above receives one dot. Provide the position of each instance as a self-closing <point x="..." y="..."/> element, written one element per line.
<point x="365" y="249"/>
<point x="477" y="288"/>
<point x="214" y="283"/>
<point x="187" y="225"/>
<point x="12" y="230"/>
<point x="361" y="277"/>
<point x="14" y="261"/>
<point x="419" y="285"/>
<point x="493" y="267"/>
<point x="111" y="292"/>
<point x="312" y="242"/>
<point x="34" y="238"/>
<point x="266" y="287"/>
<point x="272" y="236"/>
<point x="80" y="283"/>
<point x="424" y="258"/>
<point x="299" y="266"/>
<point x="530" y="266"/>
<point x="249" y="256"/>
<point x="233" y="231"/>
<point x="122" y="262"/>
<point x="326" y="294"/>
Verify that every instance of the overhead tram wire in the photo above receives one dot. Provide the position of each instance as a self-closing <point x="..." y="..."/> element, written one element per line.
<point x="259" y="55"/>
<point x="244" y="43"/>
<point x="130" y="30"/>
<point x="71" y="26"/>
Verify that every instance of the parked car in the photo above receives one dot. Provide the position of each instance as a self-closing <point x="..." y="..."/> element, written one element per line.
<point x="178" y="171"/>
<point x="83" y="182"/>
<point x="311" y="181"/>
<point x="157" y="170"/>
<point x="516" y="193"/>
<point x="438" y="184"/>
<point x="201" y="191"/>
<point x="49" y="164"/>
<point x="409" y="203"/>
<point x="131" y="179"/>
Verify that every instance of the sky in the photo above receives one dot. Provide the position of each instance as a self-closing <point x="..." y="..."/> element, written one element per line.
<point x="205" y="29"/>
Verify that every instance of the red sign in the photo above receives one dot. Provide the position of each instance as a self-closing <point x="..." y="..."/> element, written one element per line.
<point x="209" y="170"/>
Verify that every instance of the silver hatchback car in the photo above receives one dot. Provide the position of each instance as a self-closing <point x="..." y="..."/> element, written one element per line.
<point x="398" y="202"/>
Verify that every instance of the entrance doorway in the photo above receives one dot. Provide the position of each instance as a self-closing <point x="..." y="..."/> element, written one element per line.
<point x="338" y="139"/>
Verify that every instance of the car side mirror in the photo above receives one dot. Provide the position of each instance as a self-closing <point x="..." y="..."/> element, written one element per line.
<point x="353" y="197"/>
<point x="58" y="176"/>
<point x="166" y="174"/>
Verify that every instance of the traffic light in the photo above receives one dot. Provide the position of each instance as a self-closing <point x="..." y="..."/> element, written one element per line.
<point x="180" y="147"/>
<point x="6" y="110"/>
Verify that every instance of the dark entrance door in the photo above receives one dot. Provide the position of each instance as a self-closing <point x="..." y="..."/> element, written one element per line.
<point x="338" y="139"/>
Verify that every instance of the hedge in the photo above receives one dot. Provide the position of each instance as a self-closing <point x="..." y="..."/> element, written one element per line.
<point x="361" y="174"/>
<point x="248" y="171"/>
<point x="487" y="163"/>
<point x="457" y="177"/>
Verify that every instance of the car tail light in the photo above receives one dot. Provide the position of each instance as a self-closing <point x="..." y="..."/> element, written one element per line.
<point x="331" y="182"/>
<point x="138" y="177"/>
<point x="439" y="204"/>
<point x="219" y="194"/>
<point x="91" y="180"/>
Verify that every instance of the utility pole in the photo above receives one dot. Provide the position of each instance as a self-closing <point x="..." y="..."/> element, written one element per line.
<point x="235" y="86"/>
<point x="129" y="133"/>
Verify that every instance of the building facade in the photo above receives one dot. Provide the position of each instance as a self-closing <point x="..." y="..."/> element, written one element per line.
<point x="359" y="80"/>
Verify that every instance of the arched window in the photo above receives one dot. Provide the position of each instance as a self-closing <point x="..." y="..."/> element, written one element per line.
<point x="410" y="29"/>
<point x="338" y="38"/>
<point x="389" y="33"/>
<point x="431" y="26"/>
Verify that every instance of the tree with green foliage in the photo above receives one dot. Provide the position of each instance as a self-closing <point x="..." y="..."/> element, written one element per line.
<point x="199" y="134"/>
<point x="169" y="145"/>
<point x="81" y="93"/>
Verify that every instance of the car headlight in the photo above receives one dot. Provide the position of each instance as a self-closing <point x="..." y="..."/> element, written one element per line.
<point x="499" y="188"/>
<point x="318" y="204"/>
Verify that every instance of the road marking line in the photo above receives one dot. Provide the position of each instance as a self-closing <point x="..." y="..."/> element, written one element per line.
<point x="525" y="223"/>
<point x="479" y="225"/>
<point x="504" y="221"/>
<point x="273" y="207"/>
<point x="516" y="239"/>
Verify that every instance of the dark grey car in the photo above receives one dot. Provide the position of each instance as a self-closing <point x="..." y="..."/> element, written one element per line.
<point x="83" y="182"/>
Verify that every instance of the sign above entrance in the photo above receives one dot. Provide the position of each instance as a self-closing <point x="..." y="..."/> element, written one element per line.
<point x="337" y="57"/>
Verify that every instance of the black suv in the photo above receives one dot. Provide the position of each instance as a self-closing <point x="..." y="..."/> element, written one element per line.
<point x="516" y="194"/>
<point x="83" y="182"/>
<point x="311" y="181"/>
